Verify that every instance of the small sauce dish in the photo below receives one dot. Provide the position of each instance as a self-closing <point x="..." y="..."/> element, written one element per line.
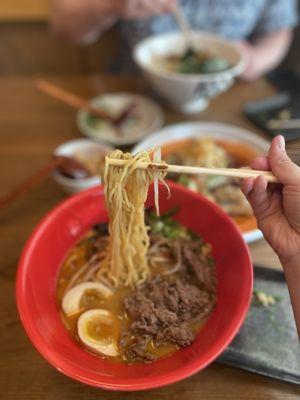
<point x="88" y="153"/>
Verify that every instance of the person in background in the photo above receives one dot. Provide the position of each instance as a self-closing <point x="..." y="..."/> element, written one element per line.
<point x="277" y="210"/>
<point x="262" y="28"/>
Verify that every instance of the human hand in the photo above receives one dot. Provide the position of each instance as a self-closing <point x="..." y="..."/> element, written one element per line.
<point x="139" y="9"/>
<point x="83" y="21"/>
<point x="277" y="208"/>
<point x="265" y="54"/>
<point x="250" y="73"/>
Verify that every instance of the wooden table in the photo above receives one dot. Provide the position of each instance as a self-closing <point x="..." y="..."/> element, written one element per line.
<point x="31" y="126"/>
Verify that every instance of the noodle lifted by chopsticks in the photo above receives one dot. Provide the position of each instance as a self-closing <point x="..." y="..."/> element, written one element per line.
<point x="126" y="191"/>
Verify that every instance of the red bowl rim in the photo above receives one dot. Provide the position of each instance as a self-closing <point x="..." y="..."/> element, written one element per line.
<point x="70" y="371"/>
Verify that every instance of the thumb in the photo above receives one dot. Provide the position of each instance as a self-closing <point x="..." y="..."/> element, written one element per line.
<point x="287" y="172"/>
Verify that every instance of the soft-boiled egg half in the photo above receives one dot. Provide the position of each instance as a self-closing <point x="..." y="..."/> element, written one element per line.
<point x="71" y="300"/>
<point x="98" y="329"/>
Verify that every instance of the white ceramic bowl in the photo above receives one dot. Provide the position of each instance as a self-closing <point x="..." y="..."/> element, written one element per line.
<point x="190" y="93"/>
<point x="225" y="132"/>
<point x="85" y="146"/>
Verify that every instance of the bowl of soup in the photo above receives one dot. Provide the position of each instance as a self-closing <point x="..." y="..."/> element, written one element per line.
<point x="162" y="331"/>
<point x="189" y="77"/>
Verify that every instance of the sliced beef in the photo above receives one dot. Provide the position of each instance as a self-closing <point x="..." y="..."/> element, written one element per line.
<point x="197" y="264"/>
<point x="137" y="350"/>
<point x="182" y="335"/>
<point x="162" y="311"/>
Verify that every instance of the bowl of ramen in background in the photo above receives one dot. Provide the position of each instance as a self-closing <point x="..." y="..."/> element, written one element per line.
<point x="189" y="80"/>
<point x="61" y="229"/>
<point x="210" y="144"/>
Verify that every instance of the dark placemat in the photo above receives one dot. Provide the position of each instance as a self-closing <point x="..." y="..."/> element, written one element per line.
<point x="260" y="112"/>
<point x="267" y="342"/>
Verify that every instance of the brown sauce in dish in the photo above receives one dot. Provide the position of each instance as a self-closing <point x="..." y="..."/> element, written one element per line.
<point x="242" y="155"/>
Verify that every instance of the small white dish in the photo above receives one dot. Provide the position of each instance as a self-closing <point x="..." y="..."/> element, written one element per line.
<point x="189" y="93"/>
<point x="216" y="130"/>
<point x="147" y="117"/>
<point x="85" y="147"/>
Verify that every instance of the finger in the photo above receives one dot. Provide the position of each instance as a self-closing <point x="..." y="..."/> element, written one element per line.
<point x="261" y="163"/>
<point x="157" y="7"/>
<point x="138" y="9"/>
<point x="260" y="186"/>
<point x="247" y="185"/>
<point x="282" y="166"/>
<point x="259" y="197"/>
<point x="166" y="5"/>
<point x="147" y="8"/>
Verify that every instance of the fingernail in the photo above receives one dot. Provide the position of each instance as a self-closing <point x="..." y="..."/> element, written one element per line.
<point x="280" y="142"/>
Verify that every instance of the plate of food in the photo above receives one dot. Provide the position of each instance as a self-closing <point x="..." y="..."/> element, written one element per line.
<point x="126" y="299"/>
<point x="210" y="144"/>
<point x="139" y="117"/>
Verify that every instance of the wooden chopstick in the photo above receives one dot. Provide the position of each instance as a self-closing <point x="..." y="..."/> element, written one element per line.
<point x="184" y="25"/>
<point x="29" y="183"/>
<point x="37" y="177"/>
<point x="69" y="98"/>
<point x="78" y="102"/>
<point x="183" y="169"/>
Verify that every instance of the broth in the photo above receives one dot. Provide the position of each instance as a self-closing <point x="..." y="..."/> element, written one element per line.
<point x="193" y="62"/>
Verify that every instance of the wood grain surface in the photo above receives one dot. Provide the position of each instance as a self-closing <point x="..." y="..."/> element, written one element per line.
<point x="31" y="126"/>
<point x="25" y="10"/>
<point x="31" y="48"/>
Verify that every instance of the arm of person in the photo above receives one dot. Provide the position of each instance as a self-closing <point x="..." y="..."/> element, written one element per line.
<point x="266" y="53"/>
<point x="292" y="276"/>
<point x="271" y="37"/>
<point x="277" y="210"/>
<point x="83" y="21"/>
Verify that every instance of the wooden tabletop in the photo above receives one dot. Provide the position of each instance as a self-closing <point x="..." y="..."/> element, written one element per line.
<point x="31" y="126"/>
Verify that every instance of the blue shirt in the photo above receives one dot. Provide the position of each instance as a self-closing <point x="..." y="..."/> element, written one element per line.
<point x="231" y="19"/>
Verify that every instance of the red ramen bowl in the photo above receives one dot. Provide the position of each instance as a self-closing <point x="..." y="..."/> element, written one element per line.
<point x="64" y="226"/>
